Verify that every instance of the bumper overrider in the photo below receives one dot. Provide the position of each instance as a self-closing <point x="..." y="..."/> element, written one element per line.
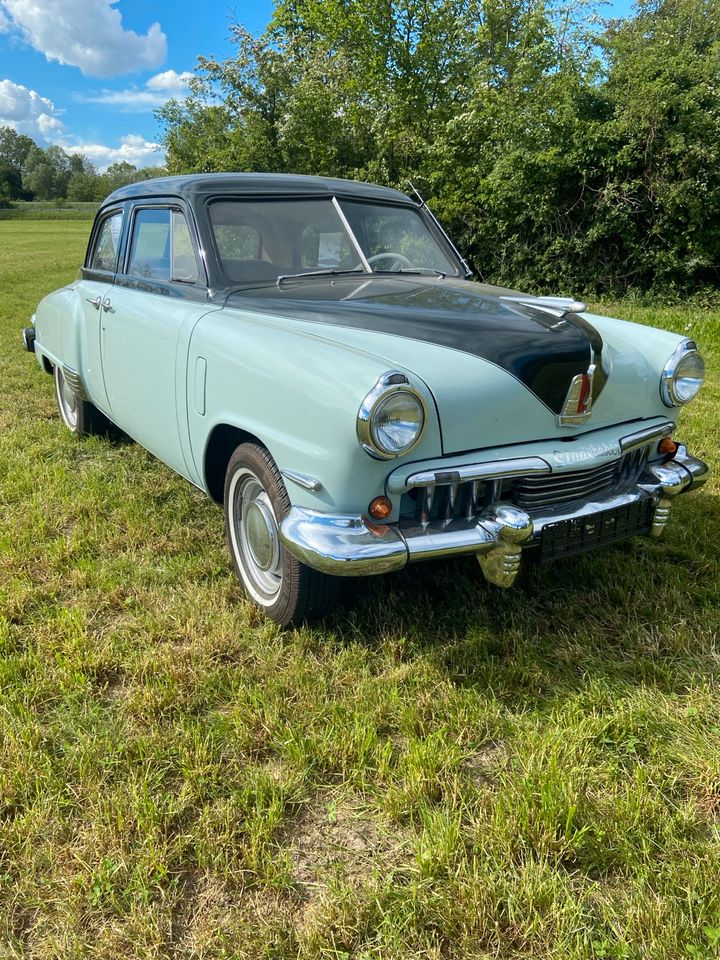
<point x="345" y="545"/>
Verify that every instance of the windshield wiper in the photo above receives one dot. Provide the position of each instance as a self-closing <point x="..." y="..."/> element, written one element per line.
<point x="417" y="271"/>
<point x="331" y="272"/>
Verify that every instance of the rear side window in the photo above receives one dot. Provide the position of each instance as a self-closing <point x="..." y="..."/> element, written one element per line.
<point x="105" y="253"/>
<point x="161" y="246"/>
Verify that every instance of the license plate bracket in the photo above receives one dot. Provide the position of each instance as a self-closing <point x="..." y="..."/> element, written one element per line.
<point x="565" y="538"/>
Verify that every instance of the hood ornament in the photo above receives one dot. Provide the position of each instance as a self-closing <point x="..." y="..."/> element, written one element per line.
<point x="578" y="403"/>
<point x="558" y="307"/>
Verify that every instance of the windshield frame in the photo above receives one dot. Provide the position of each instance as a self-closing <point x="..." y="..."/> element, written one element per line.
<point x="456" y="272"/>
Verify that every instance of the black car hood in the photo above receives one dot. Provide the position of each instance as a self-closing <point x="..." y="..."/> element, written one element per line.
<point x="542" y="351"/>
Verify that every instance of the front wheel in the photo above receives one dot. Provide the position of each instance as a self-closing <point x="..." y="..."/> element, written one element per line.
<point x="78" y="415"/>
<point x="256" y="502"/>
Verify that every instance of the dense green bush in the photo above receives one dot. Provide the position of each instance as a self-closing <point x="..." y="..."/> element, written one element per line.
<point x="562" y="151"/>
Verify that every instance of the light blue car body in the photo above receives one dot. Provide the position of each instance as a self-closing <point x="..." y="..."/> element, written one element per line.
<point x="187" y="376"/>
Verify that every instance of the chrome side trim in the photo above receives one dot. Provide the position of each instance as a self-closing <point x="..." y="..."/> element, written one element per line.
<point x="72" y="378"/>
<point x="493" y="470"/>
<point x="647" y="435"/>
<point x="302" y="480"/>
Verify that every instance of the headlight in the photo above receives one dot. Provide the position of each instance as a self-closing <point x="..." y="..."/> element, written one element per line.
<point x="683" y="375"/>
<point x="391" y="418"/>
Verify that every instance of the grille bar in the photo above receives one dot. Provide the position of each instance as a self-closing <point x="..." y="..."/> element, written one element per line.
<point x="536" y="492"/>
<point x="452" y="496"/>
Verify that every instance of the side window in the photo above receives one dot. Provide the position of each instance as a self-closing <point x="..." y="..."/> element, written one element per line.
<point x="184" y="263"/>
<point x="162" y="248"/>
<point x="150" y="250"/>
<point x="105" y="254"/>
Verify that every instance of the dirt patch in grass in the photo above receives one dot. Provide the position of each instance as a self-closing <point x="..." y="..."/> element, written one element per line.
<point x="334" y="838"/>
<point x="210" y="918"/>
<point x="482" y="765"/>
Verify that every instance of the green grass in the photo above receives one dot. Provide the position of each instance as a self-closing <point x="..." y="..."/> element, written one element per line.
<point x="441" y="770"/>
<point x="49" y="210"/>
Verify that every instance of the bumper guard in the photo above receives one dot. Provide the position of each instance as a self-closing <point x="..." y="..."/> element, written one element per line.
<point x="346" y="545"/>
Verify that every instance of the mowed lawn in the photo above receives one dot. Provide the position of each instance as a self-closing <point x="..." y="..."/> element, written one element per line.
<point x="440" y="770"/>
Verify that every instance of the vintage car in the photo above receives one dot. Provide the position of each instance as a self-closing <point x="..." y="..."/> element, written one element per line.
<point x="311" y="353"/>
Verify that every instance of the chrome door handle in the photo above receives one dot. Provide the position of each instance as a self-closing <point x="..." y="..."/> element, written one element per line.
<point x="96" y="302"/>
<point x="107" y="305"/>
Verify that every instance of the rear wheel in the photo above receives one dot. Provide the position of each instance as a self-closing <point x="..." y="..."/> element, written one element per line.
<point x="256" y="502"/>
<point x="78" y="415"/>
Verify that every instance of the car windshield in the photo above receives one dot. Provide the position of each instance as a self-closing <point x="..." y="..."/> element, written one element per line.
<point x="263" y="240"/>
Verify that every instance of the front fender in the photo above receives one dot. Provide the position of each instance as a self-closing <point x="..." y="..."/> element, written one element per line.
<point x="299" y="394"/>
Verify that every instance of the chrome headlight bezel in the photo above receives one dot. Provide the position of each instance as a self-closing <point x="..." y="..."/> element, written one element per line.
<point x="668" y="391"/>
<point x="391" y="383"/>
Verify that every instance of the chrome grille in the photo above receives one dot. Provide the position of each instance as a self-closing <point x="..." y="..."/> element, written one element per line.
<point x="452" y="498"/>
<point x="534" y="492"/>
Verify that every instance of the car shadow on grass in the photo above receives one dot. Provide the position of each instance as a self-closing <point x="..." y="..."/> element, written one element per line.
<point x="640" y="611"/>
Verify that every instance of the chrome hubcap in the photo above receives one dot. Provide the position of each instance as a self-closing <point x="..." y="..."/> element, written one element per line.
<point x="254" y="535"/>
<point x="67" y="400"/>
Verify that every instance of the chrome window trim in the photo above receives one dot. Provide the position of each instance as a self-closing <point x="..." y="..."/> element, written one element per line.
<point x="353" y="239"/>
<point x="169" y="204"/>
<point x="101" y="219"/>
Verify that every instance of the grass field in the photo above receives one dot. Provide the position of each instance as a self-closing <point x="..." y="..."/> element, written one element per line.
<point x="441" y="770"/>
<point x="49" y="210"/>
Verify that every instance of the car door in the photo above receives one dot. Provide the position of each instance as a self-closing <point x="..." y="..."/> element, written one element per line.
<point x="96" y="279"/>
<point x="146" y="323"/>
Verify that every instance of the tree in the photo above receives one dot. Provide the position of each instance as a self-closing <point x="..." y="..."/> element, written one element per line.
<point x="14" y="147"/>
<point x="331" y="87"/>
<point x="564" y="153"/>
<point x="10" y="183"/>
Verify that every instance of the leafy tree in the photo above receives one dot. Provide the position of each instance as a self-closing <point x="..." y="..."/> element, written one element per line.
<point x="10" y="183"/>
<point x="563" y="152"/>
<point x="331" y="87"/>
<point x="14" y="147"/>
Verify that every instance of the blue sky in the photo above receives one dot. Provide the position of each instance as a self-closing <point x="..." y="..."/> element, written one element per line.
<point x="87" y="74"/>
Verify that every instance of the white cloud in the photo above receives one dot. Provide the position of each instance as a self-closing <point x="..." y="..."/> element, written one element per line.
<point x="170" y="82"/>
<point x="157" y="91"/>
<point x="4" y="22"/>
<point x="133" y="149"/>
<point x="85" y="33"/>
<point x="27" y="112"/>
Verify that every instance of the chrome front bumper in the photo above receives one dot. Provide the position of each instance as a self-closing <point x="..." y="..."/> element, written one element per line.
<point x="356" y="546"/>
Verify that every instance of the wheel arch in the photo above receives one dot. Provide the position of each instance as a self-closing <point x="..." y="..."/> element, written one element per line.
<point x="223" y="440"/>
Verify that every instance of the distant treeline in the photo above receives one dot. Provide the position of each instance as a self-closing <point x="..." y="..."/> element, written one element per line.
<point x="29" y="172"/>
<point x="564" y="152"/>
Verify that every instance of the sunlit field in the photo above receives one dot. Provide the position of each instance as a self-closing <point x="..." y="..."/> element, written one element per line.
<point x="439" y="770"/>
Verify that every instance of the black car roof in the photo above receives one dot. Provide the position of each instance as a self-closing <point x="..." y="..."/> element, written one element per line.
<point x="252" y="184"/>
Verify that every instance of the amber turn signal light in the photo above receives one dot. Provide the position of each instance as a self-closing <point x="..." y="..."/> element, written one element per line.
<point x="380" y="508"/>
<point x="668" y="446"/>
